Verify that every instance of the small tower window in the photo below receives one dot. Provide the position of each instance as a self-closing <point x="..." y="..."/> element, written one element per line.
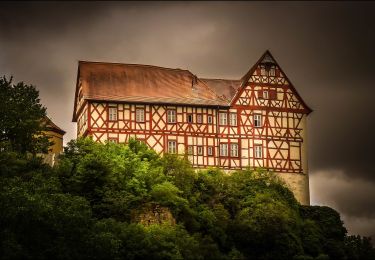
<point x="265" y="94"/>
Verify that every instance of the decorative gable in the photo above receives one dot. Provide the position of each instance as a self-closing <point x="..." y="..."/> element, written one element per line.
<point x="266" y="85"/>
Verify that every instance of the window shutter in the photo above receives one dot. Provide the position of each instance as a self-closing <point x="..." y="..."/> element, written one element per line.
<point x="260" y="93"/>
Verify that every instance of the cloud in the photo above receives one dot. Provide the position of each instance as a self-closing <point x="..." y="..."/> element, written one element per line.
<point x="353" y="198"/>
<point x="326" y="49"/>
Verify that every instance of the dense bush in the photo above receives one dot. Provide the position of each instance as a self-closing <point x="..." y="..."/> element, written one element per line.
<point x="85" y="206"/>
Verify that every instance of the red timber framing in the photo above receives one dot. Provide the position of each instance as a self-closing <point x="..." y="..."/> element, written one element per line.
<point x="281" y="134"/>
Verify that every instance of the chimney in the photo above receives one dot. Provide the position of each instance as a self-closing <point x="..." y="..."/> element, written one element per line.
<point x="194" y="81"/>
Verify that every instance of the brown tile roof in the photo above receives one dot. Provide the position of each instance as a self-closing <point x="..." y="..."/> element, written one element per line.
<point x="225" y="88"/>
<point x="152" y="84"/>
<point x="52" y="126"/>
<point x="143" y="83"/>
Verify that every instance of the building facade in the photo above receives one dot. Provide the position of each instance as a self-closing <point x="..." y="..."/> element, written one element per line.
<point x="55" y="135"/>
<point x="256" y="121"/>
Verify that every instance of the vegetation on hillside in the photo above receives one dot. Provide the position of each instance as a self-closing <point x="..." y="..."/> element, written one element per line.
<point x="92" y="204"/>
<point x="85" y="206"/>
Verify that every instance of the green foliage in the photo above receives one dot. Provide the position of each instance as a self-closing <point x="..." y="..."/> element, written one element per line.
<point x="21" y="117"/>
<point x="358" y="247"/>
<point x="85" y="208"/>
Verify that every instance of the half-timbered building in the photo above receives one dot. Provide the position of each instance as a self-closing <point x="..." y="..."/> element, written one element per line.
<point x="256" y="121"/>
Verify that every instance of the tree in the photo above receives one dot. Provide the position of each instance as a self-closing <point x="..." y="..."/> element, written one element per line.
<point x="21" y="118"/>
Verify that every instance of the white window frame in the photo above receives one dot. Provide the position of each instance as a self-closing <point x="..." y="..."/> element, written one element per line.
<point x="223" y="118"/>
<point x="171" y="116"/>
<point x="234" y="150"/>
<point x="112" y="113"/>
<point x="257" y="120"/>
<point x="209" y="119"/>
<point x="172" y="146"/>
<point x="223" y="149"/>
<point x="258" y="151"/>
<point x="210" y="150"/>
<point x="233" y="119"/>
<point x="140" y="115"/>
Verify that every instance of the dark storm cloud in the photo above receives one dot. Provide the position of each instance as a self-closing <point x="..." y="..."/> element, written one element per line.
<point x="326" y="49"/>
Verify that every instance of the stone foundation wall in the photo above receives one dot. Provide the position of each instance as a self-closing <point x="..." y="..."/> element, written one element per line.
<point x="298" y="184"/>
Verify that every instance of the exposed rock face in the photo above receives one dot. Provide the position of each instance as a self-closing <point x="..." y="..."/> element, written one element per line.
<point x="153" y="214"/>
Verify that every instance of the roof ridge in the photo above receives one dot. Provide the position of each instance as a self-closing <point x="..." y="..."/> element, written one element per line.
<point x="220" y="79"/>
<point x="132" y="64"/>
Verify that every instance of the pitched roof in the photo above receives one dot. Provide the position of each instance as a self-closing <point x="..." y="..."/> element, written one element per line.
<point x="268" y="58"/>
<point x="225" y="88"/>
<point x="144" y="83"/>
<point x="152" y="84"/>
<point x="52" y="126"/>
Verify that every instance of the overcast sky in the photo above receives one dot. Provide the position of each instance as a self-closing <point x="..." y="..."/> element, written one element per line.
<point x="327" y="49"/>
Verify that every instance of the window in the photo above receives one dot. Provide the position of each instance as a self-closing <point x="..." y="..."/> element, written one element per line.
<point x="265" y="94"/>
<point x="263" y="71"/>
<point x="209" y="119"/>
<point x="112" y="113"/>
<point x="200" y="150"/>
<point x="223" y="149"/>
<point x="257" y="120"/>
<point x="223" y="118"/>
<point x="190" y="150"/>
<point x="272" y="71"/>
<point x="190" y="118"/>
<point x="171" y="116"/>
<point x="172" y="147"/>
<point x="210" y="151"/>
<point x="199" y="119"/>
<point x="234" y="150"/>
<point x="140" y="115"/>
<point x="258" y="151"/>
<point x="233" y="119"/>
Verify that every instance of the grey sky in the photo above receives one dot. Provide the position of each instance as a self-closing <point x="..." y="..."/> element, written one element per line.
<point x="325" y="48"/>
